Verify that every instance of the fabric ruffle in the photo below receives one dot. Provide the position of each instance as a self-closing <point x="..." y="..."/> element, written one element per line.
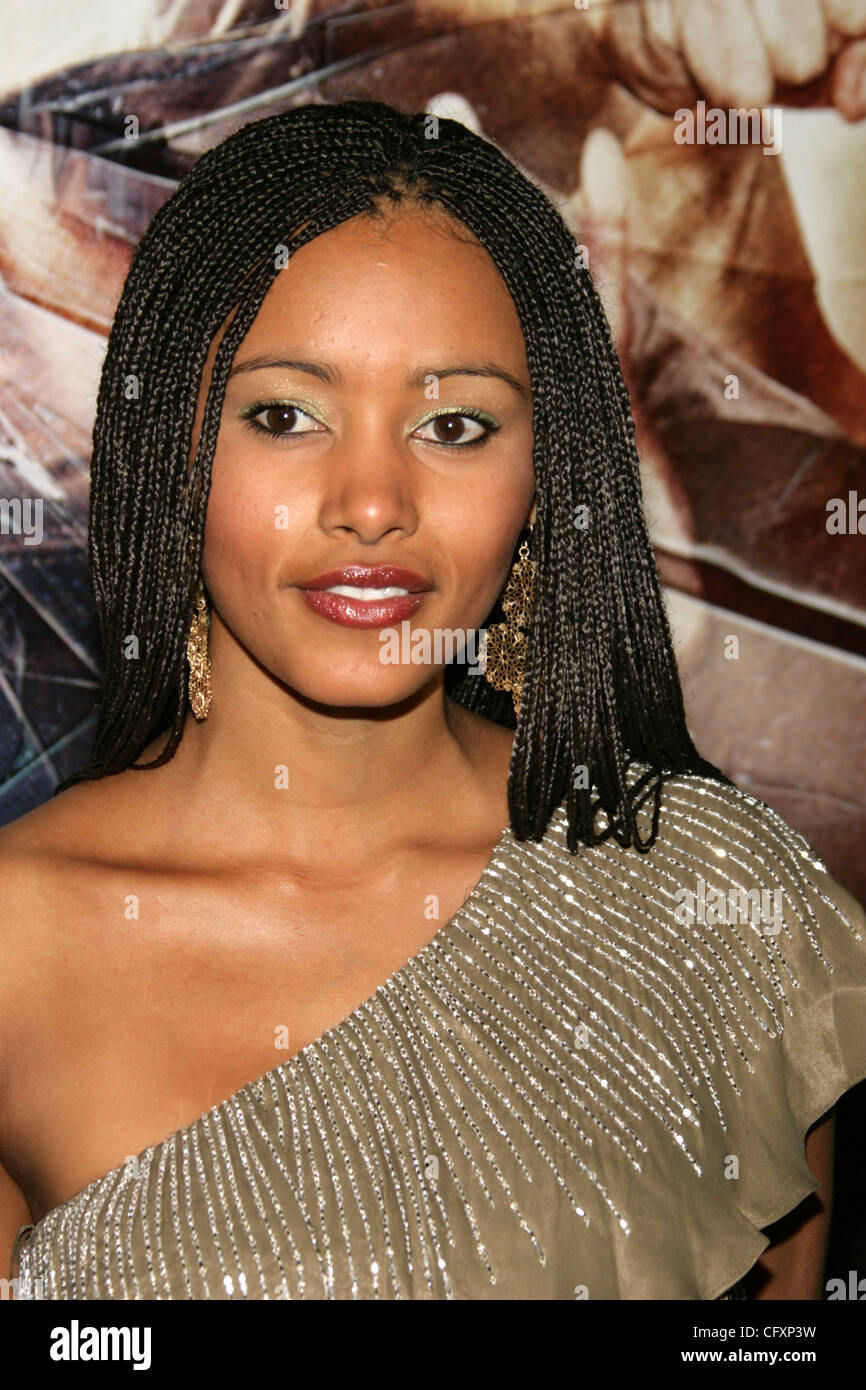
<point x="783" y="979"/>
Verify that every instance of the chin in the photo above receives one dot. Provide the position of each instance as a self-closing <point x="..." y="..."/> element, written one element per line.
<point x="373" y="690"/>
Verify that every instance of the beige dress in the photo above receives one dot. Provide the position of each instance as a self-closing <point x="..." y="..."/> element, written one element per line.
<point x="594" y="1082"/>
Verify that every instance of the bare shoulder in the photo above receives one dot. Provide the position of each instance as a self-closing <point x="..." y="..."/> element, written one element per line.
<point x="50" y="868"/>
<point x="63" y="830"/>
<point x="50" y="859"/>
<point x="93" y="822"/>
<point x="31" y="849"/>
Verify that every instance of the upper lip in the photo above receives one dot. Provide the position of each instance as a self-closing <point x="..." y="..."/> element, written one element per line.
<point x="370" y="577"/>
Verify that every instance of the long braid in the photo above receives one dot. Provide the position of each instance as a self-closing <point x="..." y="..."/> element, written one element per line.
<point x="601" y="690"/>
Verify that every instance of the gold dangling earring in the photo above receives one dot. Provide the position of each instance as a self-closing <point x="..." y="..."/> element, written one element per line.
<point x="506" y="644"/>
<point x="200" y="693"/>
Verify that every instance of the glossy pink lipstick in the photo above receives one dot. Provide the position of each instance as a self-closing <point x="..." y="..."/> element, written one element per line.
<point x="366" y="595"/>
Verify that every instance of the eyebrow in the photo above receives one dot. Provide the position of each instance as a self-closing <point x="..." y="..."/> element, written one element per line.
<point x="325" y="372"/>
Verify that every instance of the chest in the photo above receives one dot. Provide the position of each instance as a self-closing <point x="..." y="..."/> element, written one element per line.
<point x="157" y="1004"/>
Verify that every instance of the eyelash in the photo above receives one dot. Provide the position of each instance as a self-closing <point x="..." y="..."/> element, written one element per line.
<point x="480" y="416"/>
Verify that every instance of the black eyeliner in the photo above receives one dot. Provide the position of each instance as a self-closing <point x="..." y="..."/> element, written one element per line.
<point x="249" y="413"/>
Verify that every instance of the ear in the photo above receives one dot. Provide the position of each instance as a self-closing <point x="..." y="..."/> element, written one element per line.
<point x="530" y="520"/>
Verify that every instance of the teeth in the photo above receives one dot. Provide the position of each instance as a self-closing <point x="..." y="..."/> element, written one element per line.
<point x="349" y="592"/>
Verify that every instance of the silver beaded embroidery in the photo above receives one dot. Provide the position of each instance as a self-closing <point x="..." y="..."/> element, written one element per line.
<point x="452" y="1139"/>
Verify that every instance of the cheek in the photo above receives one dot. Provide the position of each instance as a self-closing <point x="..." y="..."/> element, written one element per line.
<point x="240" y="532"/>
<point x="485" y="564"/>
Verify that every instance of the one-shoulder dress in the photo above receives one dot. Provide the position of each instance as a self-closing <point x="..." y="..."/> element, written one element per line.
<point x="594" y="1082"/>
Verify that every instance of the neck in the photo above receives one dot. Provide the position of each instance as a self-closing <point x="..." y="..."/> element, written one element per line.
<point x="270" y="768"/>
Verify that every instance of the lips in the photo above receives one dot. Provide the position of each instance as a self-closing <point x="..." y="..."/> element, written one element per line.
<point x="355" y="610"/>
<point x="371" y="577"/>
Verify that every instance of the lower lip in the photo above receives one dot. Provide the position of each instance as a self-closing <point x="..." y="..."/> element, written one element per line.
<point x="354" y="612"/>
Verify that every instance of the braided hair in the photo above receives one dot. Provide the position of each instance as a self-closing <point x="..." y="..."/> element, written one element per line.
<point x="601" y="692"/>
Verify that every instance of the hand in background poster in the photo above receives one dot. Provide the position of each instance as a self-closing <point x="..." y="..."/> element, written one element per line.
<point x="746" y="53"/>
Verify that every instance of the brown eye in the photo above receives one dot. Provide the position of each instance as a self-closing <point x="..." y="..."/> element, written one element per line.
<point x="457" y="429"/>
<point x="279" y="419"/>
<point x="449" y="428"/>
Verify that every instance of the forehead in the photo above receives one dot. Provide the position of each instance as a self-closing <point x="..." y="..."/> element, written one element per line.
<point x="416" y="274"/>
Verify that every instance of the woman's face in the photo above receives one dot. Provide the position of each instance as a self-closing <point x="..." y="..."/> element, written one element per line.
<point x="378" y="414"/>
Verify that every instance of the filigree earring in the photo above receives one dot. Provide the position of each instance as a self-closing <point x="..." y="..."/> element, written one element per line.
<point x="507" y="645"/>
<point x="200" y="693"/>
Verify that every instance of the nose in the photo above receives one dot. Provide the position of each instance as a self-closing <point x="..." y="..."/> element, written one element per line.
<point x="369" y="484"/>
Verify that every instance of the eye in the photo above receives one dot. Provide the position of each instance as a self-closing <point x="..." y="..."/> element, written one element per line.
<point x="459" y="429"/>
<point x="277" y="418"/>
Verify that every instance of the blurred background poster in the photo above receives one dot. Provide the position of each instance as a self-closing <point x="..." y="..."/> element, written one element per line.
<point x="711" y="158"/>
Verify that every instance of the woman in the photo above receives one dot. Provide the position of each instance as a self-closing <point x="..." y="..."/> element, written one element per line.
<point x="359" y="395"/>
